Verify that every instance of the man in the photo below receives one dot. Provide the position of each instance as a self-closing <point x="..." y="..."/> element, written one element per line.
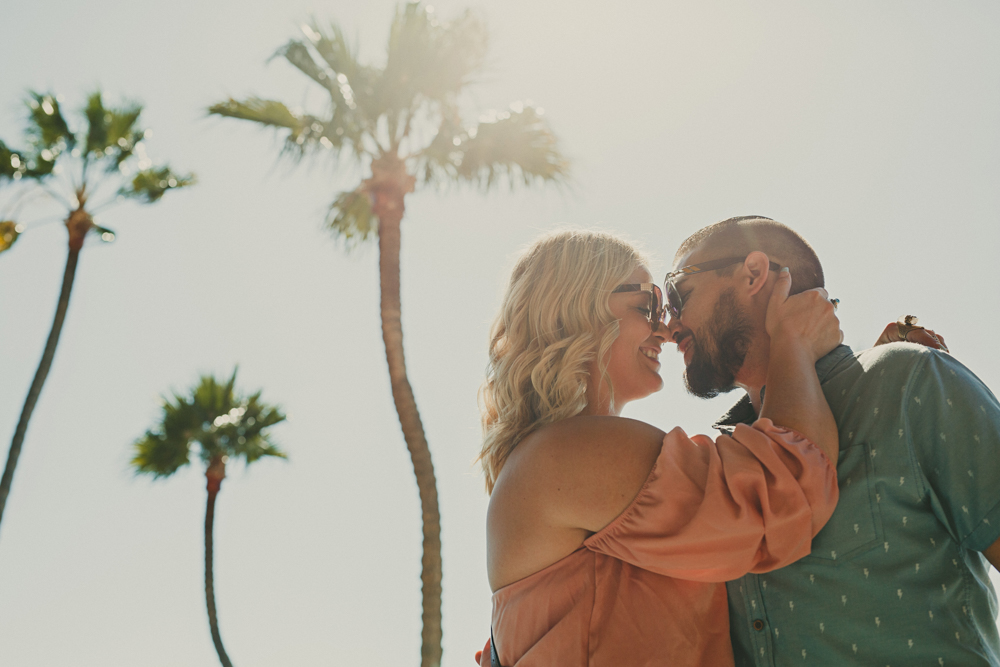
<point x="898" y="576"/>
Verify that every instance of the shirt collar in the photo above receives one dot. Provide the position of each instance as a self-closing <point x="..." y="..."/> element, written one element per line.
<point x="743" y="413"/>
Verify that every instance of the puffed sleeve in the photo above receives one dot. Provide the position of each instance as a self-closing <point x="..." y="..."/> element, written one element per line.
<point x="713" y="511"/>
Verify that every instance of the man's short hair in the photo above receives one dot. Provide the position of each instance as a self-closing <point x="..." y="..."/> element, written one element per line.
<point x="739" y="236"/>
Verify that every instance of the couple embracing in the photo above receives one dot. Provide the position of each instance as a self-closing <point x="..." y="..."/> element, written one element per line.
<point x="848" y="513"/>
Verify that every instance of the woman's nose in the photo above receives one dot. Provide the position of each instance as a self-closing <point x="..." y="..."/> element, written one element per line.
<point x="660" y="331"/>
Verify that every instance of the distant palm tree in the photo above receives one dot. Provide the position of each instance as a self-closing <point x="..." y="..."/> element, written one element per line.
<point x="9" y="229"/>
<point x="104" y="160"/>
<point x="225" y="425"/>
<point x="401" y="121"/>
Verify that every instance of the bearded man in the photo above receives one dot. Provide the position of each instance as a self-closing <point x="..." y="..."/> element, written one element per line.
<point x="899" y="575"/>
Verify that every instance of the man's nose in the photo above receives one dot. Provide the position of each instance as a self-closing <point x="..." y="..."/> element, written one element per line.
<point x="671" y="327"/>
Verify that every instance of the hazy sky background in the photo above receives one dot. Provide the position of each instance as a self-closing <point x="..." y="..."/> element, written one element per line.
<point x="872" y="128"/>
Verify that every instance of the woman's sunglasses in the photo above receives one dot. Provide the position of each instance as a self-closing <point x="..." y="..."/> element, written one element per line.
<point x="657" y="313"/>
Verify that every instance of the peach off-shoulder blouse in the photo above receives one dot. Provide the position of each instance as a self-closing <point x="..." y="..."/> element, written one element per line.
<point x="648" y="589"/>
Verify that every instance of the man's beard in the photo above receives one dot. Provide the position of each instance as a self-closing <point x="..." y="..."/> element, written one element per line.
<point x="730" y="332"/>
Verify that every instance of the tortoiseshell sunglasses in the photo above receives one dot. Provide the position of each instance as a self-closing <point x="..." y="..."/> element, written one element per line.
<point x="657" y="312"/>
<point x="675" y="304"/>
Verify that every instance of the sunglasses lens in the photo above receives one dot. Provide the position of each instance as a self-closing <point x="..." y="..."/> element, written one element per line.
<point x="674" y="303"/>
<point x="657" y="312"/>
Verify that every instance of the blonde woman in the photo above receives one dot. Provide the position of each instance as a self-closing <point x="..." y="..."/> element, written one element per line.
<point x="608" y="539"/>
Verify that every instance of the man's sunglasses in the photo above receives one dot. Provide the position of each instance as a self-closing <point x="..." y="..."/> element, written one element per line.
<point x="675" y="304"/>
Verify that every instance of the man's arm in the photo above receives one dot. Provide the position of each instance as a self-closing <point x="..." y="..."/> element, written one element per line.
<point x="992" y="554"/>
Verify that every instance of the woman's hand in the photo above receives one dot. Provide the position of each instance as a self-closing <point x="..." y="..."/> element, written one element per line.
<point x="807" y="319"/>
<point x="919" y="335"/>
<point x="803" y="328"/>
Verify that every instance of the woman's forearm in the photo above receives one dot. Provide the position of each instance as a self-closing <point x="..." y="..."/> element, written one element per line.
<point x="794" y="398"/>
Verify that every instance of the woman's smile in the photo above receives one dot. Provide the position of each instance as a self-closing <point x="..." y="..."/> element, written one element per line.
<point x="652" y="353"/>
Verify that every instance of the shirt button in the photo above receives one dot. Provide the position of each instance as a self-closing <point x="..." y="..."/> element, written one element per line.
<point x="758" y="625"/>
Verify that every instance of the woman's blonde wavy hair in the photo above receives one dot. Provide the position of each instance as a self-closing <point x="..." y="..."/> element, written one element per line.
<point x="553" y="322"/>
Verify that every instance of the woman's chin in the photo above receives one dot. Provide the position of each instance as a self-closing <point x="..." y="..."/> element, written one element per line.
<point x="654" y="387"/>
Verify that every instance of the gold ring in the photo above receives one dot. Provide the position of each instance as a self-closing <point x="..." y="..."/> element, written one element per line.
<point x="906" y="324"/>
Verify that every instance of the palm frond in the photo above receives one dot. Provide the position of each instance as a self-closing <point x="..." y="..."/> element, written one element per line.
<point x="517" y="146"/>
<point x="103" y="233"/>
<point x="264" y="112"/>
<point x="166" y="448"/>
<point x="150" y="184"/>
<point x="160" y="456"/>
<point x="351" y="219"/>
<point x="9" y="231"/>
<point x="355" y="82"/>
<point x="344" y="122"/>
<point x="97" y="124"/>
<point x="47" y="128"/>
<point x="248" y="438"/>
<point x="300" y="57"/>
<point x="112" y="131"/>
<point x="332" y="47"/>
<point x="214" y="398"/>
<point x="431" y="59"/>
<point x="305" y="132"/>
<point x="233" y="425"/>
<point x="11" y="163"/>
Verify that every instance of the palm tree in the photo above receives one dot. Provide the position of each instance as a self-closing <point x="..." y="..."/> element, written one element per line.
<point x="106" y="162"/>
<point x="401" y="122"/>
<point x="9" y="162"/>
<point x="225" y="425"/>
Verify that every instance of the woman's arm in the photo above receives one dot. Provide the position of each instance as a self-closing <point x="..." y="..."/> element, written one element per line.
<point x="802" y="328"/>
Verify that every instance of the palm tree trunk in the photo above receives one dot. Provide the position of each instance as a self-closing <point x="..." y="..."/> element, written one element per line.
<point x="41" y="374"/>
<point x="388" y="186"/>
<point x="215" y="473"/>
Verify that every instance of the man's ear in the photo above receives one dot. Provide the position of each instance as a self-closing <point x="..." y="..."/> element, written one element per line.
<point x="756" y="272"/>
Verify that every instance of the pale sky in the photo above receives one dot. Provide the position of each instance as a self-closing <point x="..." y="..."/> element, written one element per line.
<point x="872" y="128"/>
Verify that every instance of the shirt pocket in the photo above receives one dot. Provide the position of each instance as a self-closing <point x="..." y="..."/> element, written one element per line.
<point x="856" y="525"/>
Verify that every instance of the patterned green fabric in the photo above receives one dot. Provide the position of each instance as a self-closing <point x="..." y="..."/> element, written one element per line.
<point x="895" y="578"/>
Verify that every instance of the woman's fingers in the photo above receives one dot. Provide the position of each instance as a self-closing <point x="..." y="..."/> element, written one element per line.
<point x="808" y="317"/>
<point x="779" y="295"/>
<point x="925" y="337"/>
<point x="889" y="335"/>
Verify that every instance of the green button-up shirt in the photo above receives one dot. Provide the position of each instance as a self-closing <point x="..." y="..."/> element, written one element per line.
<point x="895" y="578"/>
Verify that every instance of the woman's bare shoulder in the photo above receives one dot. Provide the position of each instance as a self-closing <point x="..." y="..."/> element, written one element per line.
<point x="583" y="435"/>
<point x="583" y="469"/>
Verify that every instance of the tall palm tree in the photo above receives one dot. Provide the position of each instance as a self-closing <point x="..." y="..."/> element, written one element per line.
<point x="225" y="425"/>
<point x="84" y="171"/>
<point x="401" y="123"/>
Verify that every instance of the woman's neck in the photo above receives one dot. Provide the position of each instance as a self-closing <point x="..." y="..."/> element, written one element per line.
<point x="599" y="404"/>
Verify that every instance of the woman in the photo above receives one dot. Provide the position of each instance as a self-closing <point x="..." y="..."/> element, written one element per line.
<point x="609" y="540"/>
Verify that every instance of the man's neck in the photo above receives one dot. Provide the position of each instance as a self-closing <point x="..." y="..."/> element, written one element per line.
<point x="753" y="374"/>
